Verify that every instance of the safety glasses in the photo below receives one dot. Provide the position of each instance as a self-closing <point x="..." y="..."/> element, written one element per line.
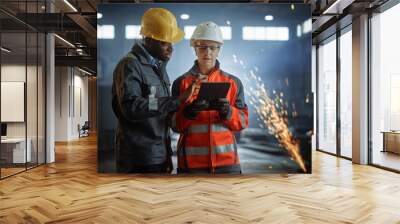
<point x="203" y="48"/>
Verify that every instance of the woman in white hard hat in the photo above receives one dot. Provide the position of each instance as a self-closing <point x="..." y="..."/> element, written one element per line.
<point x="207" y="143"/>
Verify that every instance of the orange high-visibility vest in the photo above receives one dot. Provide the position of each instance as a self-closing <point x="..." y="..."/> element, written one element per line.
<point x="208" y="143"/>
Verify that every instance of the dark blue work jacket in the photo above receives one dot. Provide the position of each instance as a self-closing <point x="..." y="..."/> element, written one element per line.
<point x="142" y="101"/>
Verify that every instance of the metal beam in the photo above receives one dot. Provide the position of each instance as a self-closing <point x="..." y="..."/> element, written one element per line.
<point x="320" y="22"/>
<point x="82" y="61"/>
<point x="83" y="23"/>
<point x="16" y="18"/>
<point x="337" y="6"/>
<point x="49" y="22"/>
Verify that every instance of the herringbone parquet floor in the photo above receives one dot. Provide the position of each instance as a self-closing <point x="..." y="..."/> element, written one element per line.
<point x="71" y="191"/>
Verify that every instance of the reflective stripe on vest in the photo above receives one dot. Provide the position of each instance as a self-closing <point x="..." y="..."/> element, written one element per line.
<point x="201" y="151"/>
<point x="199" y="128"/>
<point x="203" y="128"/>
<point x="219" y="128"/>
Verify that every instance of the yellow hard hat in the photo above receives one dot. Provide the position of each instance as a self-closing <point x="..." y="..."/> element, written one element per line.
<point x="160" y="24"/>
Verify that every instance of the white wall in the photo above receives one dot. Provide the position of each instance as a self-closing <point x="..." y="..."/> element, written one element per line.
<point x="81" y="104"/>
<point x="61" y="103"/>
<point x="33" y="127"/>
<point x="13" y="73"/>
<point x="71" y="93"/>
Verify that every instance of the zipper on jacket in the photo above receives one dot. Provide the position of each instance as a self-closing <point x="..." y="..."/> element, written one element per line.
<point x="161" y="78"/>
<point x="164" y="85"/>
<point x="212" y="168"/>
<point x="160" y="75"/>
<point x="209" y="144"/>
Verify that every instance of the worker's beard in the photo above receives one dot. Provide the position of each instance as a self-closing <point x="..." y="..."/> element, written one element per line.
<point x="158" y="51"/>
<point x="162" y="54"/>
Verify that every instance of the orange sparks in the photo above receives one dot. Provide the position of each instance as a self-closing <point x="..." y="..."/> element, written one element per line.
<point x="274" y="116"/>
<point x="273" y="113"/>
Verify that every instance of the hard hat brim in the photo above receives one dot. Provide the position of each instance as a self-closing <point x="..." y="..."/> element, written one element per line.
<point x="192" y="41"/>
<point x="178" y="37"/>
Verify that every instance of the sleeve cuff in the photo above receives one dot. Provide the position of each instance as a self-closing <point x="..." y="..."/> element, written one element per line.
<point x="228" y="116"/>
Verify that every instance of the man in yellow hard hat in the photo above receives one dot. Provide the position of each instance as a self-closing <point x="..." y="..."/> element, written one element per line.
<point x="141" y="97"/>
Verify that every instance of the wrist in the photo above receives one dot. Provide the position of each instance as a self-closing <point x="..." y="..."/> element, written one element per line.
<point x="226" y="113"/>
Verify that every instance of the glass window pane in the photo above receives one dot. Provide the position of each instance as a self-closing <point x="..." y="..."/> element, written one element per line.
<point x="31" y="97"/>
<point x="23" y="89"/>
<point x="346" y="94"/>
<point x="41" y="98"/>
<point x="327" y="97"/>
<point x="14" y="153"/>
<point x="385" y="89"/>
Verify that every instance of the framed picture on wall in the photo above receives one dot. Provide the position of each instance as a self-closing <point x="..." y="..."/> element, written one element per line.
<point x="149" y="121"/>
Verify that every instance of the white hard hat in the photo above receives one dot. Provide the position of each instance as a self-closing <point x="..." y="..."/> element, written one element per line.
<point x="207" y="31"/>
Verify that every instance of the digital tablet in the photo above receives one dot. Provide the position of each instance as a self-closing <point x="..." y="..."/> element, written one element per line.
<point x="213" y="90"/>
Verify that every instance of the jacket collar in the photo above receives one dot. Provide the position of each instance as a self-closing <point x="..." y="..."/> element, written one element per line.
<point x="145" y="57"/>
<point x="196" y="71"/>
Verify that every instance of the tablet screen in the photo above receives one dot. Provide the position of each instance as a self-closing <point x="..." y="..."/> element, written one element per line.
<point x="213" y="90"/>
